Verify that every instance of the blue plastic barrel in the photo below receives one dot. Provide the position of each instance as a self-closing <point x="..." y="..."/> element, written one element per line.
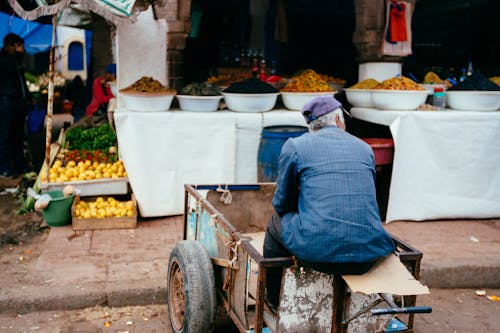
<point x="272" y="139"/>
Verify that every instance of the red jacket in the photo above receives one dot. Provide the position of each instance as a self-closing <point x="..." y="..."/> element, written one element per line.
<point x="101" y="94"/>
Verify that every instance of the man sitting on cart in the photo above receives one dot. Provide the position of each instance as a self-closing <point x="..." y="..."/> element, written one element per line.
<point x="325" y="200"/>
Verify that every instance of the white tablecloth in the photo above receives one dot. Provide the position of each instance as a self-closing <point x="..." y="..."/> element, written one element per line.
<point x="446" y="164"/>
<point x="164" y="150"/>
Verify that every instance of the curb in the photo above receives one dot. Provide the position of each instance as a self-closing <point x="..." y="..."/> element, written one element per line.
<point x="143" y="292"/>
<point x="64" y="298"/>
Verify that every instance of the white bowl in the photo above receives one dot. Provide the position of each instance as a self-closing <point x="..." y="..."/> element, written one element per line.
<point x="473" y="100"/>
<point x="198" y="103"/>
<point x="296" y="100"/>
<point x="359" y="97"/>
<point x="250" y="102"/>
<point x="147" y="101"/>
<point x="398" y="99"/>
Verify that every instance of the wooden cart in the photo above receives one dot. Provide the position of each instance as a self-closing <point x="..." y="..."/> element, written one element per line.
<point x="219" y="264"/>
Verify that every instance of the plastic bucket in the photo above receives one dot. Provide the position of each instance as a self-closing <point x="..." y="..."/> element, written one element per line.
<point x="272" y="139"/>
<point x="383" y="150"/>
<point x="58" y="211"/>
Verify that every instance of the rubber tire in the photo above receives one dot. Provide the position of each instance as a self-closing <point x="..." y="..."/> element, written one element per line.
<point x="199" y="287"/>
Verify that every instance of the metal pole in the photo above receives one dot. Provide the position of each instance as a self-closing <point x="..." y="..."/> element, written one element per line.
<point x="50" y="97"/>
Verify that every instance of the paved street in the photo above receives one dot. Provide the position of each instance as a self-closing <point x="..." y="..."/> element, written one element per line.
<point x="454" y="311"/>
<point x="61" y="281"/>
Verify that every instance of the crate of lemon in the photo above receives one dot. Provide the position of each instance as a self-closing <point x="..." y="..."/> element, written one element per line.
<point x="104" y="212"/>
<point x="90" y="177"/>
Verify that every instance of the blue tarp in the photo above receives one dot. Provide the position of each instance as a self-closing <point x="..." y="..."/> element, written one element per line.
<point x="37" y="37"/>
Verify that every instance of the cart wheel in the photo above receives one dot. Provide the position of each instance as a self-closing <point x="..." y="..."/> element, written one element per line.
<point x="191" y="296"/>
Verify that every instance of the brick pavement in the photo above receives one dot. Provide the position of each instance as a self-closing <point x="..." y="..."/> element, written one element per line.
<point x="128" y="267"/>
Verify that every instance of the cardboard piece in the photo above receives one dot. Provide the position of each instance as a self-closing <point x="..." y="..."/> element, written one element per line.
<point x="390" y="276"/>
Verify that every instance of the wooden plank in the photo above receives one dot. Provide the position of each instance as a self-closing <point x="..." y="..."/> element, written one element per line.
<point x="249" y="210"/>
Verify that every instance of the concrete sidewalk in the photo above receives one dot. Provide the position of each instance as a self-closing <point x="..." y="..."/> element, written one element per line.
<point x="128" y="266"/>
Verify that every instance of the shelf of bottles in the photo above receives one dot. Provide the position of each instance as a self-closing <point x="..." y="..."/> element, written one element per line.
<point x="243" y="59"/>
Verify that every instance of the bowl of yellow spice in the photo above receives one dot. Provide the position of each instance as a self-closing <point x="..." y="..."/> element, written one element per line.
<point x="360" y="95"/>
<point x="398" y="93"/>
<point x="303" y="87"/>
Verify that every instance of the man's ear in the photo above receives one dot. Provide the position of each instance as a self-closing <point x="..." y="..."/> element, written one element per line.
<point x="338" y="121"/>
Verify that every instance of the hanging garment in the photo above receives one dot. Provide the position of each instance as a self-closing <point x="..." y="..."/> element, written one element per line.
<point x="397" y="23"/>
<point x="397" y="32"/>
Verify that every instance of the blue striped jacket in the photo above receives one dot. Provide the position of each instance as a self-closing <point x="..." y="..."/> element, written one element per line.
<point x="326" y="197"/>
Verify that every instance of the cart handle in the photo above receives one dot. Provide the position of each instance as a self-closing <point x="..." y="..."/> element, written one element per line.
<point x="410" y="309"/>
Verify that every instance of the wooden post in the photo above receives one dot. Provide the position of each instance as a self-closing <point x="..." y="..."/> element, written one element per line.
<point x="50" y="99"/>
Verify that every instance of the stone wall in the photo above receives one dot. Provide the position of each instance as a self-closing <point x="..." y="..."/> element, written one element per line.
<point x="177" y="15"/>
<point x="101" y="44"/>
<point x="370" y="24"/>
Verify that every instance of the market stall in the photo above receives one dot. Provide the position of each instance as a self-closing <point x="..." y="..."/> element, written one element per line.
<point x="164" y="150"/>
<point x="445" y="163"/>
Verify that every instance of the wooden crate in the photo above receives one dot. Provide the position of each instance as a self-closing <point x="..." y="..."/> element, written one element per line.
<point x="124" y="222"/>
<point x="94" y="187"/>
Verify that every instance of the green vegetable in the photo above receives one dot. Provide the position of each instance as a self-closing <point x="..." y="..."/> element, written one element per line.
<point x="31" y="77"/>
<point x="95" y="138"/>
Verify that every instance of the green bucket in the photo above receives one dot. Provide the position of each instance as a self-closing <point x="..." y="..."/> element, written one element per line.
<point x="58" y="211"/>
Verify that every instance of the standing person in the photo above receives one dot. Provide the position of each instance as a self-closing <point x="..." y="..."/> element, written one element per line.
<point x="101" y="92"/>
<point x="325" y="200"/>
<point x="13" y="96"/>
<point x="75" y="93"/>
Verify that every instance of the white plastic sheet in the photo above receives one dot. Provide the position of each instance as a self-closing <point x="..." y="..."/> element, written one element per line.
<point x="445" y="163"/>
<point x="162" y="151"/>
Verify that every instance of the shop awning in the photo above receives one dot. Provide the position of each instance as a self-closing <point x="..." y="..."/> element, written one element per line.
<point x="115" y="11"/>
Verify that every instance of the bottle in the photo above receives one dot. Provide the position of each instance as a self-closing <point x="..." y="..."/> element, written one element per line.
<point x="273" y="70"/>
<point x="255" y="67"/>
<point x="236" y="56"/>
<point x="263" y="71"/>
<point x="439" y="98"/>
<point x="463" y="76"/>
<point x="470" y="70"/>
<point x="243" y="58"/>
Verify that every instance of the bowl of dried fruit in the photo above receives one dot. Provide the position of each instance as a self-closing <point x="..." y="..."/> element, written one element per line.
<point x="302" y="87"/>
<point x="199" y="97"/>
<point x="147" y="94"/>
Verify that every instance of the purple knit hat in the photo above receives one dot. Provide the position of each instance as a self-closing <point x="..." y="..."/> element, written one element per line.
<point x="319" y="106"/>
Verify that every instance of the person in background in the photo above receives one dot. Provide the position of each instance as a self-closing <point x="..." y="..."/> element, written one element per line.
<point x="325" y="200"/>
<point x="75" y="93"/>
<point x="101" y="92"/>
<point x="13" y="96"/>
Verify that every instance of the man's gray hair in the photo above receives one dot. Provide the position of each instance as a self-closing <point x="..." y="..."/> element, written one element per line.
<point x="326" y="120"/>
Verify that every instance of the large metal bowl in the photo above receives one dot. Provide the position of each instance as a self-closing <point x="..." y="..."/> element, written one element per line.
<point x="198" y="103"/>
<point x="473" y="100"/>
<point x="149" y="102"/>
<point x="359" y="97"/>
<point x="296" y="100"/>
<point x="398" y="99"/>
<point x="250" y="102"/>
